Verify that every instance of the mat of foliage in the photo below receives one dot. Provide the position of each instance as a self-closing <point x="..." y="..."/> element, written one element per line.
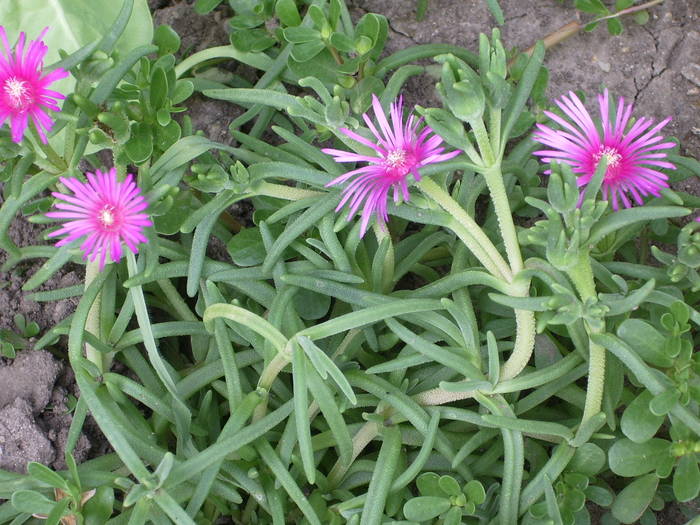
<point x="444" y="370"/>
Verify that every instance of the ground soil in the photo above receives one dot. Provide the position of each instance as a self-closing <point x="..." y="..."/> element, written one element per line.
<point x="656" y="65"/>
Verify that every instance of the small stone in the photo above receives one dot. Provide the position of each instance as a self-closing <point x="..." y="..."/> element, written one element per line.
<point x="692" y="72"/>
<point x="605" y="66"/>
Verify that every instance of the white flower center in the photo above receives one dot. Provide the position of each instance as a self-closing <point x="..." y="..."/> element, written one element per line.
<point x="17" y="92"/>
<point x="611" y="156"/>
<point x="106" y="216"/>
<point x="396" y="158"/>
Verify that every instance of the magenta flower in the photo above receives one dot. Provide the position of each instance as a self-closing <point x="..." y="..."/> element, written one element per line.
<point x="400" y="150"/>
<point x="633" y="156"/>
<point x="104" y="211"/>
<point x="24" y="92"/>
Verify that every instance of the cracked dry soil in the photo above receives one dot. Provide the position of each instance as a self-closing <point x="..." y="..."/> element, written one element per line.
<point x="657" y="65"/>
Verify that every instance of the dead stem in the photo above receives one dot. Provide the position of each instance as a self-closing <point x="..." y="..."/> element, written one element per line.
<point x="572" y="28"/>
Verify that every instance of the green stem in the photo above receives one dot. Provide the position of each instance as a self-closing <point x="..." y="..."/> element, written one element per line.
<point x="469" y="232"/>
<point x="268" y="376"/>
<point x="481" y="246"/>
<point x="121" y="168"/>
<point x="484" y="142"/>
<point x="582" y="277"/>
<point x="364" y="437"/>
<point x="524" y="320"/>
<point x="495" y="127"/>
<point x="494" y="180"/>
<point x="524" y="343"/>
<point x="92" y="326"/>
<point x="54" y="158"/>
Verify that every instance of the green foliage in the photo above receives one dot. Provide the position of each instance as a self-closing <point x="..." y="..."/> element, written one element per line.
<point x="286" y="370"/>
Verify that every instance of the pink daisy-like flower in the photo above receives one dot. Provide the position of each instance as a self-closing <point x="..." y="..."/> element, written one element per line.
<point x="400" y="150"/>
<point x="633" y="155"/>
<point x="104" y="211"/>
<point x="24" y="92"/>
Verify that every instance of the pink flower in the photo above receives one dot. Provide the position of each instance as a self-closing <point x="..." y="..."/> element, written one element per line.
<point x="400" y="150"/>
<point x="23" y="91"/>
<point x="104" y="211"/>
<point x="633" y="156"/>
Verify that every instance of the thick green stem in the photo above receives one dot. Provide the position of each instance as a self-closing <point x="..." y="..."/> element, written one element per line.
<point x="92" y="326"/>
<point x="523" y="346"/>
<point x="582" y="277"/>
<point x="268" y="376"/>
<point x="482" y="139"/>
<point x="364" y="437"/>
<point x="469" y="231"/>
<point x="524" y="320"/>
<point x="481" y="246"/>
<point x="499" y="197"/>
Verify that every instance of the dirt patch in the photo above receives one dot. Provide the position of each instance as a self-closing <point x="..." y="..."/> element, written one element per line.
<point x="656" y="65"/>
<point x="36" y="387"/>
<point x="34" y="412"/>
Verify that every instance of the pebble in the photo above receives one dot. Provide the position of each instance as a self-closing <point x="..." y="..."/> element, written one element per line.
<point x="692" y="72"/>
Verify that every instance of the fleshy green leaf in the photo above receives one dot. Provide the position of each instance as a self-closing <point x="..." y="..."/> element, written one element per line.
<point x="646" y="341"/>
<point x="631" y="503"/>
<point x="686" y="479"/>
<point x="424" y="508"/>
<point x="638" y="423"/>
<point x="630" y="459"/>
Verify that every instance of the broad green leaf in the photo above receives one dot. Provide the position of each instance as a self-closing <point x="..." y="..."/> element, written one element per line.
<point x="311" y="305"/>
<point x="428" y="484"/>
<point x="454" y="515"/>
<point x="449" y="486"/>
<point x="140" y="145"/>
<point x="646" y="341"/>
<point x="43" y="473"/>
<point x="167" y="40"/>
<point x="203" y="7"/>
<point x="32" y="502"/>
<point x="246" y="247"/>
<point x="631" y="503"/>
<point x="474" y="490"/>
<point x="686" y="479"/>
<point x="638" y="423"/>
<point x="589" y="459"/>
<point x="614" y="26"/>
<point x="664" y="402"/>
<point x="601" y="496"/>
<point x="287" y="12"/>
<point x="425" y="508"/>
<point x="630" y="459"/>
<point x="300" y="35"/>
